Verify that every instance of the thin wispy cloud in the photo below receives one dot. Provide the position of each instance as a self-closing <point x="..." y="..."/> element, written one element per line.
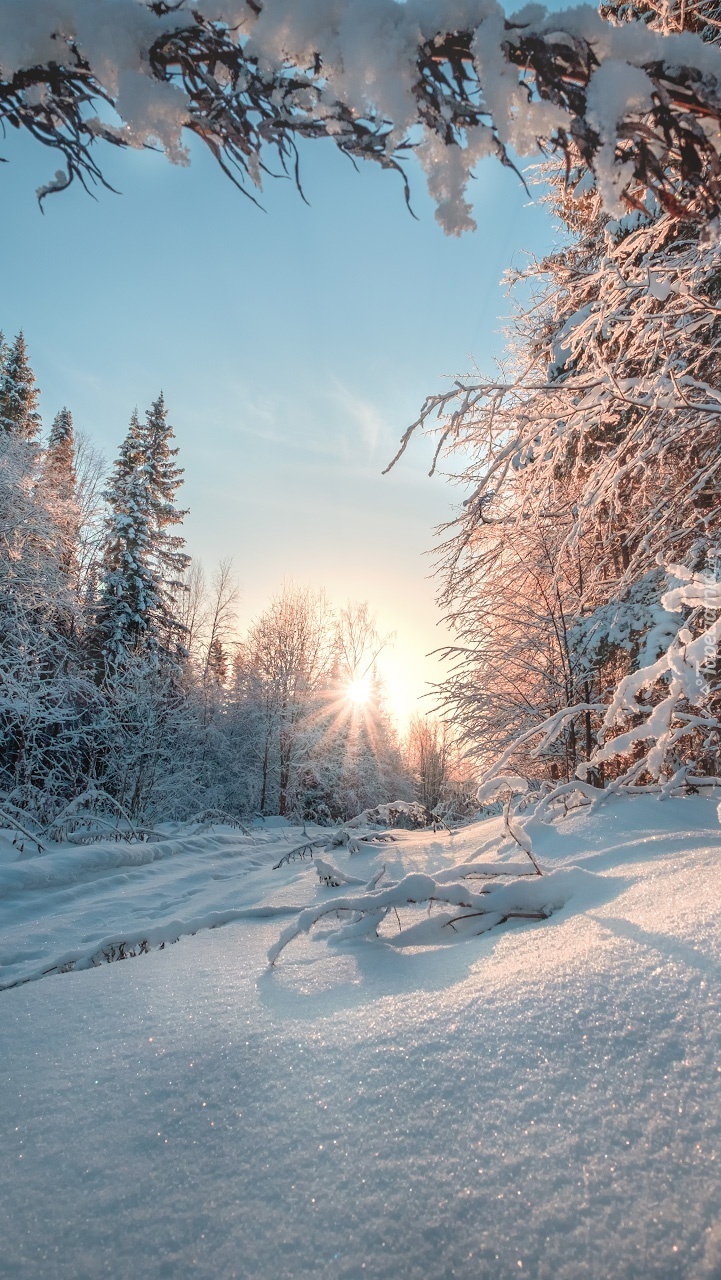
<point x="364" y="416"/>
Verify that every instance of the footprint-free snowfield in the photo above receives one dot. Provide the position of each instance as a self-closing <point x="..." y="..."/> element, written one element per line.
<point x="543" y="1100"/>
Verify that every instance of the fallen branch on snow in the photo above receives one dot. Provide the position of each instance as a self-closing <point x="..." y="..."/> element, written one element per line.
<point x="489" y="908"/>
<point x="332" y="875"/>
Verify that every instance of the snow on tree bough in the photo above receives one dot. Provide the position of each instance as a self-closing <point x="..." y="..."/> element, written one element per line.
<point x="250" y="78"/>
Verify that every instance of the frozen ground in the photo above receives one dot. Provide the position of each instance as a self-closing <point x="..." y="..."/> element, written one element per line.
<point x="544" y="1100"/>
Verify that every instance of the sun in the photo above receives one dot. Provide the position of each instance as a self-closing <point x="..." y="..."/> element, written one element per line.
<point x="359" y="691"/>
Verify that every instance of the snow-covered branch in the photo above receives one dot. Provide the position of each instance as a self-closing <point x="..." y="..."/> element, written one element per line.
<point x="534" y="898"/>
<point x="653" y="713"/>
<point x="453" y="82"/>
<point x="687" y="705"/>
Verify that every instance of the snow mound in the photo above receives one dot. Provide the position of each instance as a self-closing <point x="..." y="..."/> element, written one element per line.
<point x="405" y="814"/>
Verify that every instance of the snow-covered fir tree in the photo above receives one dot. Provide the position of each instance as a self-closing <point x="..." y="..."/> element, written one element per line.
<point x="217" y="665"/>
<point x="44" y="694"/>
<point x="143" y="562"/>
<point x="163" y="478"/>
<point x="129" y="596"/>
<point x="59" y="478"/>
<point x="19" y="415"/>
<point x="59" y="463"/>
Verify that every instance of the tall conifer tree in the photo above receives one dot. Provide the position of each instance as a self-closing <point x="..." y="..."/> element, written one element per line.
<point x="60" y="455"/>
<point x="19" y="416"/>
<point x="164" y="477"/>
<point x="129" y="596"/>
<point x="144" y="561"/>
<point x="59" y="481"/>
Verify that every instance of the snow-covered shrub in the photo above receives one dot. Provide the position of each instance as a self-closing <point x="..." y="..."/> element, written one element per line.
<point x="661" y="728"/>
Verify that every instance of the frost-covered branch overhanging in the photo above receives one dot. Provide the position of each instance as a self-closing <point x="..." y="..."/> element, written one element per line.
<point x="450" y="81"/>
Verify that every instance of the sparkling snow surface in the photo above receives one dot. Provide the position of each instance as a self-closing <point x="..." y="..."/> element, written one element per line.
<point x="544" y="1100"/>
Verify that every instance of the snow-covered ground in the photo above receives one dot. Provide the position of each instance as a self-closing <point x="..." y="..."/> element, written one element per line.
<point x="544" y="1100"/>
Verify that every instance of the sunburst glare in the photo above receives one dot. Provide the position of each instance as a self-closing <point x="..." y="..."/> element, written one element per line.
<point x="359" y="691"/>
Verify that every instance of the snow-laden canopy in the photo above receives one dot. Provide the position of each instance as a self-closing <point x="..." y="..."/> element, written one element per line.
<point x="454" y="80"/>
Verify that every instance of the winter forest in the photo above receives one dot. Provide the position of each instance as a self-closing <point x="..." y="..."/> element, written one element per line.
<point x="127" y="697"/>
<point x="451" y="985"/>
<point x="580" y="574"/>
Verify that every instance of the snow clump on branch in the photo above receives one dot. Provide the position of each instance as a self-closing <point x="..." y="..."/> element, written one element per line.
<point x="451" y="81"/>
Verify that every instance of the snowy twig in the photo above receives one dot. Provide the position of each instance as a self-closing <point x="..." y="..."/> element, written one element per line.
<point x="300" y="851"/>
<point x="509" y="915"/>
<point x="17" y="826"/>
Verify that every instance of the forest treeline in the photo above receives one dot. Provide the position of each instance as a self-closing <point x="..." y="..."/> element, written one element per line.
<point x="125" y="688"/>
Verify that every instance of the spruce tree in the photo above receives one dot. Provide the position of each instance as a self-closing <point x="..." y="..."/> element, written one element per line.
<point x="144" y="562"/>
<point x="217" y="664"/>
<point x="42" y="715"/>
<point x="19" y="395"/>
<point x="129" y="596"/>
<point x="59" y="482"/>
<point x="60" y="456"/>
<point x="163" y="479"/>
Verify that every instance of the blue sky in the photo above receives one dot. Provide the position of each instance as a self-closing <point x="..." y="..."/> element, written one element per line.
<point x="293" y="347"/>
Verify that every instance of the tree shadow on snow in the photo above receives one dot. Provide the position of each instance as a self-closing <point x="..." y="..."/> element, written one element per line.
<point x="667" y="947"/>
